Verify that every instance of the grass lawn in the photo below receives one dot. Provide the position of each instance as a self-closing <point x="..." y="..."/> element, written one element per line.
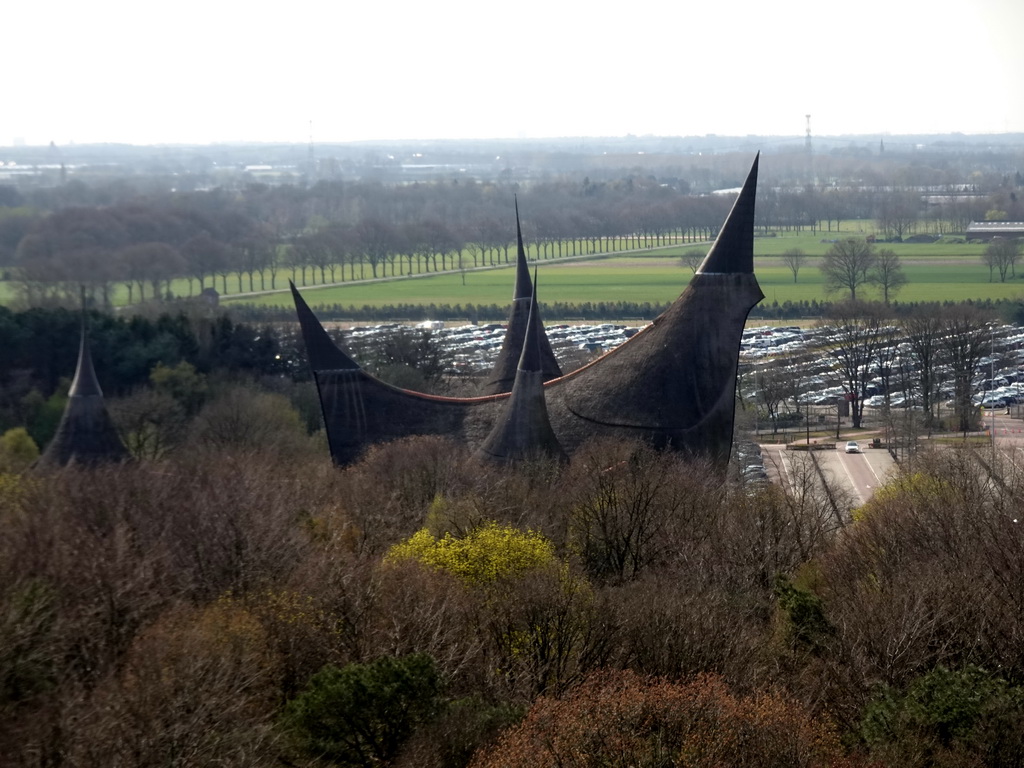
<point x="651" y="279"/>
<point x="941" y="271"/>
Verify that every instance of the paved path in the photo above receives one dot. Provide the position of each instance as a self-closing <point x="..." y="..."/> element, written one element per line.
<point x="484" y="268"/>
<point x="860" y="474"/>
<point x="856" y="476"/>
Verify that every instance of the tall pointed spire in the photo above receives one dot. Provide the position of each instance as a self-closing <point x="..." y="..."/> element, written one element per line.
<point x="674" y="383"/>
<point x="324" y="354"/>
<point x="85" y="435"/>
<point x="523" y="289"/>
<point x="733" y="249"/>
<point x="523" y="429"/>
<point x="85" y="383"/>
<point x="503" y="374"/>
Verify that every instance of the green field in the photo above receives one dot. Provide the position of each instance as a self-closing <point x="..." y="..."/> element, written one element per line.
<point x="941" y="271"/>
<point x="938" y="277"/>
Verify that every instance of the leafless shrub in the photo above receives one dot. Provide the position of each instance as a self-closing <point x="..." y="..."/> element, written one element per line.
<point x="346" y="609"/>
<point x="631" y="508"/>
<point x="388" y="494"/>
<point x="425" y="611"/>
<point x="195" y="688"/>
<point x="678" y="623"/>
<point x="544" y="632"/>
<point x="932" y="573"/>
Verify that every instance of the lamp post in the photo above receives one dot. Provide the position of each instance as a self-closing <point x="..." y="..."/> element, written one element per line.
<point x="992" y="381"/>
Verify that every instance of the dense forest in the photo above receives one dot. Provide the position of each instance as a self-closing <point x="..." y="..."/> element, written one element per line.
<point x="40" y="348"/>
<point x="231" y="597"/>
<point x="240" y="601"/>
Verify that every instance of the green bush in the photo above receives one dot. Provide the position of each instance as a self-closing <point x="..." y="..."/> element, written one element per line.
<point x="17" y="450"/>
<point x="803" y="612"/>
<point x="362" y="714"/>
<point x="948" y="717"/>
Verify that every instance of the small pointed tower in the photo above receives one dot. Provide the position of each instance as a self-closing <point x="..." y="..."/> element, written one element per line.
<point x="86" y="435"/>
<point x="674" y="383"/>
<point x="522" y="429"/>
<point x="503" y="374"/>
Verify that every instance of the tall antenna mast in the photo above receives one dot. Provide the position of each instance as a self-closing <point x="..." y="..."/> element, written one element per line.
<point x="311" y="154"/>
<point x="809" y="151"/>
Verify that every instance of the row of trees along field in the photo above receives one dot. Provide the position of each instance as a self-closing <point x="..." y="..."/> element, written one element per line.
<point x="249" y="239"/>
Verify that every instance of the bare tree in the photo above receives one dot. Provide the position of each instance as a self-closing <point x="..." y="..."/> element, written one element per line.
<point x="376" y="242"/>
<point x="923" y="331"/>
<point x="887" y="274"/>
<point x="692" y="258"/>
<point x="774" y="385"/>
<point x="848" y="265"/>
<point x="1002" y="254"/>
<point x="965" y="340"/>
<point x="794" y="258"/>
<point x="898" y="213"/>
<point x="856" y="336"/>
<point x="205" y="257"/>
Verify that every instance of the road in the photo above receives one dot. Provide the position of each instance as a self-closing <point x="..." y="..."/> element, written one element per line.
<point x="483" y="268"/>
<point x="855" y="475"/>
<point x="859" y="473"/>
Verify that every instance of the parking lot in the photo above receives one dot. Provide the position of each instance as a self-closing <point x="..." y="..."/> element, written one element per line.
<point x="814" y="406"/>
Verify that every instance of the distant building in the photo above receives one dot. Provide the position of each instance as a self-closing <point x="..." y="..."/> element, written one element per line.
<point x="210" y="297"/>
<point x="672" y="385"/>
<point x="986" y="230"/>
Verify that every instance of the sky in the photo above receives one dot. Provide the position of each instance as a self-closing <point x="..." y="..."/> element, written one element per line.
<point x="209" y="71"/>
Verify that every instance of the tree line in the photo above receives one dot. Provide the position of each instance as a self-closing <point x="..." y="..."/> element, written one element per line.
<point x="330" y="233"/>
<point x="252" y="237"/>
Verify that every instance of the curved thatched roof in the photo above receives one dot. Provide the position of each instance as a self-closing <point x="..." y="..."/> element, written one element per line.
<point x="673" y="384"/>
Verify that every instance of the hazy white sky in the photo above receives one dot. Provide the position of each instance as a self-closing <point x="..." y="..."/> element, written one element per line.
<point x="200" y="71"/>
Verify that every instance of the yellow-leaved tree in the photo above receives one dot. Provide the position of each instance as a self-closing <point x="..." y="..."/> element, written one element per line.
<point x="485" y="554"/>
<point x="537" y="618"/>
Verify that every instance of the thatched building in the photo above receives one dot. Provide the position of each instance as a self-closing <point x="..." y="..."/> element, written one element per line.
<point x="673" y="384"/>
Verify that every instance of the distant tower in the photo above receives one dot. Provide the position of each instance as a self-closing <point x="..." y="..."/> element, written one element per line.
<point x="311" y="154"/>
<point x="809" y="151"/>
<point x="58" y="158"/>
